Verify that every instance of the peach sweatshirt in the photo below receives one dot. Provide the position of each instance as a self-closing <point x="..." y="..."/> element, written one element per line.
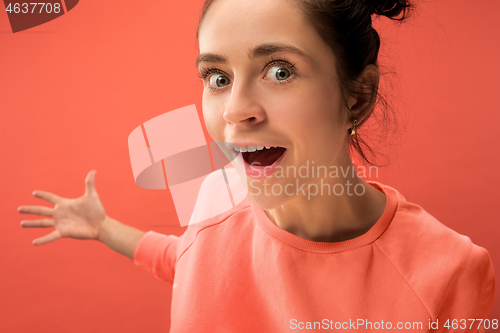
<point x="241" y="273"/>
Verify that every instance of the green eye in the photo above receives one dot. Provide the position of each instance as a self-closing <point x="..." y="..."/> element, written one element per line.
<point x="219" y="80"/>
<point x="282" y="73"/>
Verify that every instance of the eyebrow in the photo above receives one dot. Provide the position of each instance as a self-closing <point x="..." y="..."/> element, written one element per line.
<point x="258" y="52"/>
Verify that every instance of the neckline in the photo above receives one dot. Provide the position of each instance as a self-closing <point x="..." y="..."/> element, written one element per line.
<point x="332" y="247"/>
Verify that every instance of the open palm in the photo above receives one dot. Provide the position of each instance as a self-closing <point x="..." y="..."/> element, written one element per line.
<point x="79" y="218"/>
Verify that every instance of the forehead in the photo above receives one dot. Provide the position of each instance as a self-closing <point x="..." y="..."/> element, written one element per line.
<point x="239" y="25"/>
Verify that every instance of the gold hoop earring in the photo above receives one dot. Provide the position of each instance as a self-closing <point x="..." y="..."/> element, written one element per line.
<point x="354" y="125"/>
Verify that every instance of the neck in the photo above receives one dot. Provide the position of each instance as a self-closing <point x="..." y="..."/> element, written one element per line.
<point x="350" y="209"/>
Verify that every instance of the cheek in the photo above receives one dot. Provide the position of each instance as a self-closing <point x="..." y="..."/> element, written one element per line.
<point x="213" y="119"/>
<point x="314" y="110"/>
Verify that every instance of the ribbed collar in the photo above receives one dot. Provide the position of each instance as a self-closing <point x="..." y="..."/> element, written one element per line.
<point x="331" y="247"/>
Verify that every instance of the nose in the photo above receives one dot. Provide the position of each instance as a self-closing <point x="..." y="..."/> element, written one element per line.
<point x="243" y="107"/>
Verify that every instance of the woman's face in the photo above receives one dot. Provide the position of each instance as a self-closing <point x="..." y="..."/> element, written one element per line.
<point x="271" y="81"/>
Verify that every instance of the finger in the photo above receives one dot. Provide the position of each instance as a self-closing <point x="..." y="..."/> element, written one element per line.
<point x="38" y="210"/>
<point x="54" y="235"/>
<point x="45" y="223"/>
<point x="90" y="183"/>
<point x="50" y="197"/>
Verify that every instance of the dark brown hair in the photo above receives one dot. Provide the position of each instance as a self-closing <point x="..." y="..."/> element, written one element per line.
<point x="346" y="26"/>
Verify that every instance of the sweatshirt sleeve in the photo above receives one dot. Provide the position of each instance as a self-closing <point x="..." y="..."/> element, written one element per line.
<point x="158" y="254"/>
<point x="469" y="294"/>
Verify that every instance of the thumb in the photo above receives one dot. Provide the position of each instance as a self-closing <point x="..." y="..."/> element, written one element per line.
<point x="90" y="183"/>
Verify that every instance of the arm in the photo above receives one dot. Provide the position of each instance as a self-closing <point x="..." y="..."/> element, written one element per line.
<point x="470" y="293"/>
<point x="120" y="237"/>
<point x="85" y="218"/>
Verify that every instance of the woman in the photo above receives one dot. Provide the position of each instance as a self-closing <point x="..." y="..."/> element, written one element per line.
<point x="288" y="83"/>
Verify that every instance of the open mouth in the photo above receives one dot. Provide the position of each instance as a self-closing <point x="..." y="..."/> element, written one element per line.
<point x="261" y="156"/>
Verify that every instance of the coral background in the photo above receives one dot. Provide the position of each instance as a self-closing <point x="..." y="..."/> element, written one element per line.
<point x="72" y="90"/>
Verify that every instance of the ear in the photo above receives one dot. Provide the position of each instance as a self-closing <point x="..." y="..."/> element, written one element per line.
<point x="364" y="100"/>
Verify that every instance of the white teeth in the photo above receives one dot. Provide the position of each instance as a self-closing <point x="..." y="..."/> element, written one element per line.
<point x="249" y="148"/>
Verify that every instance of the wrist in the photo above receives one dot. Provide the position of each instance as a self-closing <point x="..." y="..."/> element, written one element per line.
<point x="104" y="230"/>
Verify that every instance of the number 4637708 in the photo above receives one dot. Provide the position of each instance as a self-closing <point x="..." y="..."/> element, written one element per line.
<point x="25" y="8"/>
<point x="472" y="323"/>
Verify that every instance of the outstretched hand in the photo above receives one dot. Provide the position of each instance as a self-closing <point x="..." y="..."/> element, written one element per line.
<point x="80" y="218"/>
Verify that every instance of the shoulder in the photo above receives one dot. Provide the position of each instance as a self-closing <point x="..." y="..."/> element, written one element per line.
<point x="220" y="192"/>
<point x="413" y="227"/>
<point x="217" y="231"/>
<point x="222" y="199"/>
<point x="444" y="268"/>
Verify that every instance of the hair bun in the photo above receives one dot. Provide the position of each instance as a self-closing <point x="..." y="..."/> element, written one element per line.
<point x="390" y="8"/>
